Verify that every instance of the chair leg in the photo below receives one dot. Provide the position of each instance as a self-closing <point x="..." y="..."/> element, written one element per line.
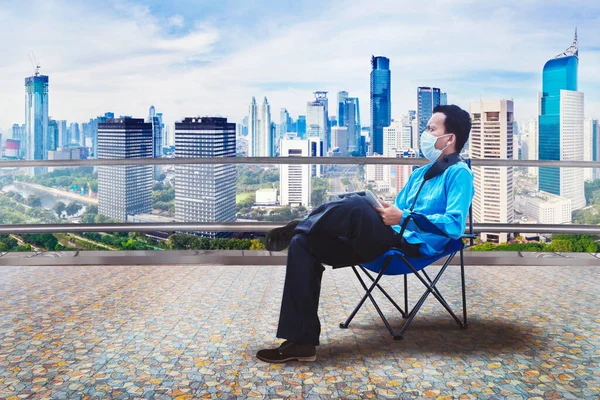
<point x="436" y="293"/>
<point x="464" y="294"/>
<point x="431" y="288"/>
<point x="345" y="324"/>
<point x="405" y="296"/>
<point x="404" y="313"/>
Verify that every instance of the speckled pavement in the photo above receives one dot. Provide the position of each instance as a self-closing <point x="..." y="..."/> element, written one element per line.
<point x="188" y="332"/>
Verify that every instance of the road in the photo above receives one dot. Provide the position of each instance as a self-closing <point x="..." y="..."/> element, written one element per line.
<point x="58" y="192"/>
<point x="340" y="172"/>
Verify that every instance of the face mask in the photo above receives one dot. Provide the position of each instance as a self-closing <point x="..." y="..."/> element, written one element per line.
<point x="427" y="143"/>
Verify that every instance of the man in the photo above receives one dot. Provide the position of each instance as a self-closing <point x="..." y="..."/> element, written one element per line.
<point x="350" y="231"/>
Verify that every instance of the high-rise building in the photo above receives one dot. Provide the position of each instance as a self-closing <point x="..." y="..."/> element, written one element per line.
<point x="529" y="140"/>
<point x="301" y="126"/>
<point x="350" y="118"/>
<point x="443" y="99"/>
<point x="492" y="137"/>
<point x="590" y="147"/>
<point x="295" y="179"/>
<point x="396" y="138"/>
<point x="284" y="123"/>
<point x="62" y="133"/>
<point x="205" y="192"/>
<point x="379" y="175"/>
<point x="339" y="139"/>
<point x="124" y="189"/>
<point x="74" y="133"/>
<point x="341" y="102"/>
<point x="36" y="119"/>
<point x="52" y="138"/>
<point x="19" y="132"/>
<point x="317" y="119"/>
<point x="561" y="126"/>
<point x="157" y="130"/>
<point x="260" y="140"/>
<point x="381" y="100"/>
<point x="403" y="172"/>
<point x="428" y="98"/>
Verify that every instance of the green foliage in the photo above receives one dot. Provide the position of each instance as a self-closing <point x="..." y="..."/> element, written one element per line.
<point x="319" y="187"/>
<point x="45" y="240"/>
<point x="560" y="243"/>
<point x="34" y="200"/>
<point x="59" y="208"/>
<point x="191" y="242"/>
<point x="73" y="208"/>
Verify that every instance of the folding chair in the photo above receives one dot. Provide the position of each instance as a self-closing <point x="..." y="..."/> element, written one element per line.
<point x="395" y="262"/>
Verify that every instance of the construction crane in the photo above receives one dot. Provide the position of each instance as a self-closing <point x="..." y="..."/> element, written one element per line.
<point x="34" y="63"/>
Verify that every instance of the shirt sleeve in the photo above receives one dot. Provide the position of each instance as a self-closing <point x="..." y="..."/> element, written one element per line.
<point x="459" y="196"/>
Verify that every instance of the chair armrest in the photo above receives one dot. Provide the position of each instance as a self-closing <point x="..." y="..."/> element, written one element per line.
<point x="423" y="223"/>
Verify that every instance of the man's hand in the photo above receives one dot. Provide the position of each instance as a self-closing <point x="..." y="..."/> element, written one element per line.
<point x="390" y="214"/>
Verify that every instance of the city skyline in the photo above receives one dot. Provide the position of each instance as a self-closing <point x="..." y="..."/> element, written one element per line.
<point x="229" y="65"/>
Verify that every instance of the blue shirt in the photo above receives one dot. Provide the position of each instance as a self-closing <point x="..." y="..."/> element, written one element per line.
<point x="444" y="200"/>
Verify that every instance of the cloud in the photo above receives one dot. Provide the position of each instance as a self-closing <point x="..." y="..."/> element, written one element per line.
<point x="124" y="57"/>
<point x="176" y="21"/>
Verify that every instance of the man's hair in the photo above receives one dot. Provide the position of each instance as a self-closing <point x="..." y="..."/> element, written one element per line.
<point x="457" y="121"/>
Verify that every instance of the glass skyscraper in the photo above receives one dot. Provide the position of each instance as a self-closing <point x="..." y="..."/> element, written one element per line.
<point x="561" y="126"/>
<point x="36" y="119"/>
<point x="381" y="100"/>
<point x="428" y="98"/>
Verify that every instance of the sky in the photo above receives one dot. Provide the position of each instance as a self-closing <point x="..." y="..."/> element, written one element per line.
<point x="201" y="57"/>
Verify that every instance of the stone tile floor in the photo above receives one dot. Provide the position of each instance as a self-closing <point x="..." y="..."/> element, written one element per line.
<point x="188" y="332"/>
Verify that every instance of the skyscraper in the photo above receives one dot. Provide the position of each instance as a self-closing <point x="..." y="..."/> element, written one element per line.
<point x="317" y="118"/>
<point x="381" y="100"/>
<point x="157" y="141"/>
<point x="19" y="132"/>
<point x="428" y="98"/>
<point x="36" y="118"/>
<point x="396" y="138"/>
<point x="561" y="126"/>
<point x="590" y="147"/>
<point x="294" y="179"/>
<point x="260" y="140"/>
<point x="52" y="138"/>
<point x="341" y="101"/>
<point x="349" y="117"/>
<point x="301" y="126"/>
<point x="124" y="189"/>
<point x="205" y="192"/>
<point x="339" y="139"/>
<point x="492" y="137"/>
<point x="284" y="121"/>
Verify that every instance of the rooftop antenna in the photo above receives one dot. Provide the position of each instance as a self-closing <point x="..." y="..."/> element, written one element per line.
<point x="34" y="63"/>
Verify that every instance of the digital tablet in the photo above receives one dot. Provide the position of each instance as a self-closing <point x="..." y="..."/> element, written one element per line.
<point x="366" y="194"/>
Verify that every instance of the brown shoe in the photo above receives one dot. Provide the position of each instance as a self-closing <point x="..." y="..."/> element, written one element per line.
<point x="279" y="239"/>
<point x="288" y="351"/>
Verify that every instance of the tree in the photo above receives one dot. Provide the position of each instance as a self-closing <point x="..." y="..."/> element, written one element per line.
<point x="34" y="201"/>
<point x="59" y="208"/>
<point x="73" y="208"/>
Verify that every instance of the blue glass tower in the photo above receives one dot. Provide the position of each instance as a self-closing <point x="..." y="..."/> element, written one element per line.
<point x="427" y="99"/>
<point x="560" y="73"/>
<point x="381" y="100"/>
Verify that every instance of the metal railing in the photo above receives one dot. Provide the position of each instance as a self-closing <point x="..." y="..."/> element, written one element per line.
<point x="266" y="226"/>
<point x="476" y="162"/>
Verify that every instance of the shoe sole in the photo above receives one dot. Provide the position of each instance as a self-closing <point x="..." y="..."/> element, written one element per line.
<point x="301" y="359"/>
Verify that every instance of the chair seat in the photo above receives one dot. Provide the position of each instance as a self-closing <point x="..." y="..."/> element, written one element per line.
<point x="399" y="267"/>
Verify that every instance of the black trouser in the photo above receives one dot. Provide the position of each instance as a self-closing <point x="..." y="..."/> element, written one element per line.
<point x="341" y="233"/>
